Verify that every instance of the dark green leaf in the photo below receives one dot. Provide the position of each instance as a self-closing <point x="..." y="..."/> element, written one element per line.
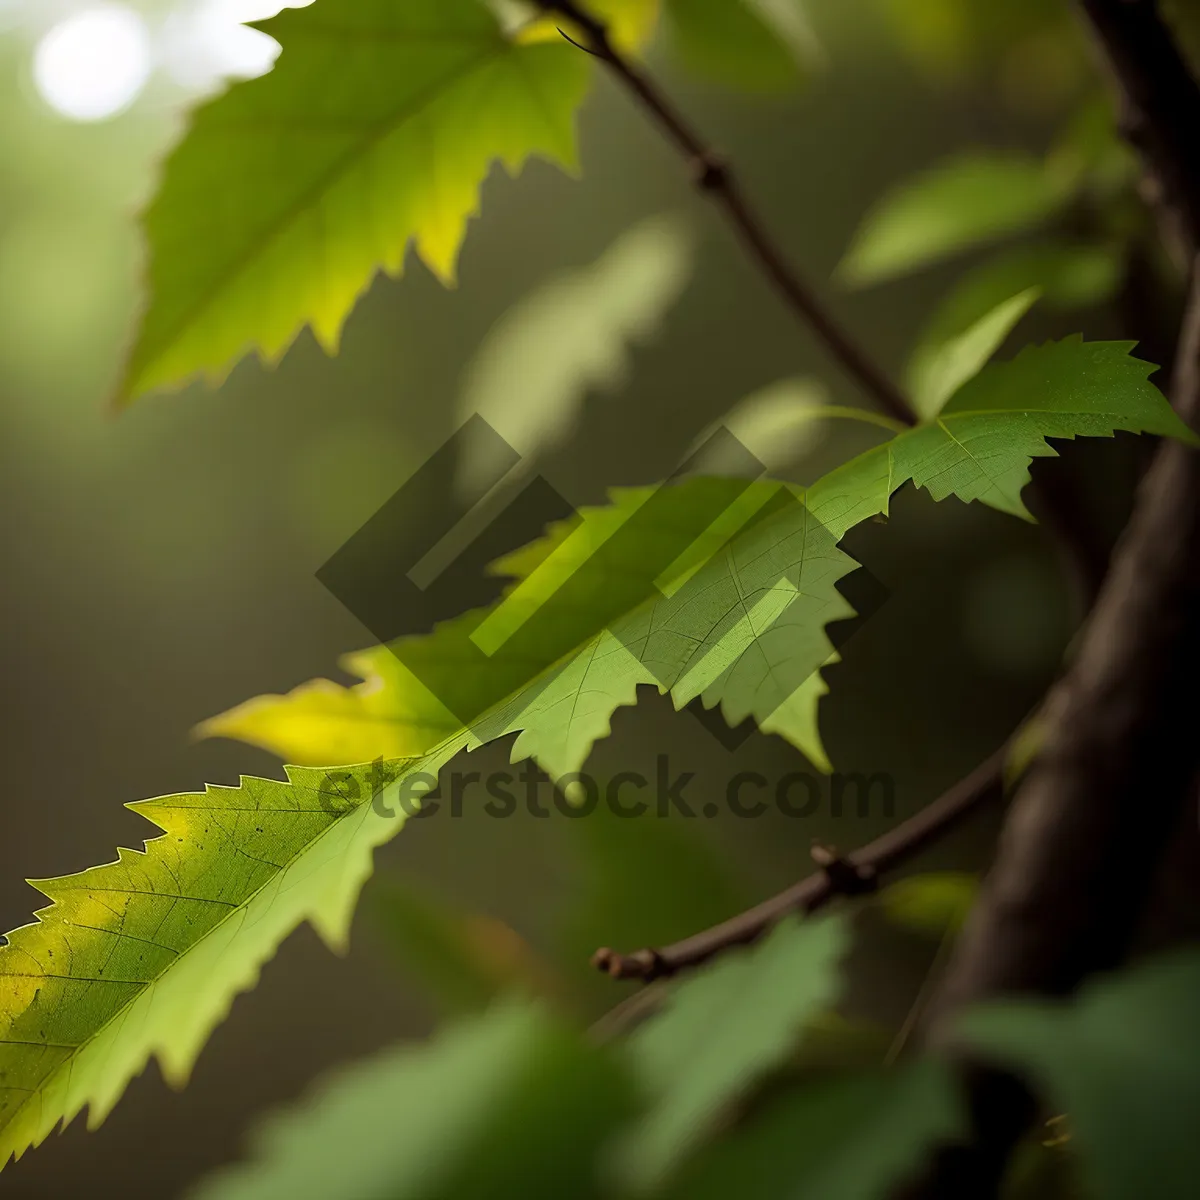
<point x="511" y="1104"/>
<point x="1123" y="1062"/>
<point x="850" y="1136"/>
<point x="722" y="1031"/>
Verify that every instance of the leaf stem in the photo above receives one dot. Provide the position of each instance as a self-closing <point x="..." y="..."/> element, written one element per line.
<point x="714" y="176"/>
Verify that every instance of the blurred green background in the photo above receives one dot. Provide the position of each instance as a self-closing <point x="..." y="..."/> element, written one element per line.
<point x="159" y="566"/>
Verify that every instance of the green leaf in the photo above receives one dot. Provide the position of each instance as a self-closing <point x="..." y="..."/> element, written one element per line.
<point x="511" y="1104"/>
<point x="760" y="45"/>
<point x="709" y="588"/>
<point x="572" y="335"/>
<point x="748" y="581"/>
<point x="851" y="1136"/>
<point x="1068" y="274"/>
<point x="143" y="956"/>
<point x="938" y="371"/>
<point x="1121" y="1061"/>
<point x="934" y="903"/>
<point x="981" y="445"/>
<point x="960" y="203"/>
<point x="465" y="960"/>
<point x="374" y="130"/>
<point x="390" y="714"/>
<point x="722" y="1031"/>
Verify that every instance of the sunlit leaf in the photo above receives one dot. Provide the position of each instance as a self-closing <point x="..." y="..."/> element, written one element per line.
<point x="511" y="1104"/>
<point x="961" y="203"/>
<point x="1120" y="1061"/>
<point x="981" y="445"/>
<point x="723" y="1030"/>
<point x="374" y="130"/>
<point x="937" y="371"/>
<point x="390" y="714"/>
<point x="711" y="589"/>
<point x="708" y="588"/>
<point x="143" y="956"/>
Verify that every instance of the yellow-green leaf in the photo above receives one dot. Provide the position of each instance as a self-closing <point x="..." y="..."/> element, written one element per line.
<point x="710" y="589"/>
<point x="374" y="130"/>
<point x="143" y="956"/>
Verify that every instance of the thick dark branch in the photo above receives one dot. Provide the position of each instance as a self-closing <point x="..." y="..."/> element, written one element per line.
<point x="1160" y="103"/>
<point x="714" y="176"/>
<point x="1089" y="828"/>
<point x="838" y="877"/>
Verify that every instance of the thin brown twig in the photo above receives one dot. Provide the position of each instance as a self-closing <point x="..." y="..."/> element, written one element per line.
<point x="714" y="176"/>
<point x="856" y="873"/>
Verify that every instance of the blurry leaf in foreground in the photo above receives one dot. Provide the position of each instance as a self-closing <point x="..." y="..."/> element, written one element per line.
<point x="752" y="44"/>
<point x="529" y="377"/>
<point x="1123" y="1061"/>
<point x="962" y="202"/>
<point x="934" y="903"/>
<point x="722" y="1031"/>
<point x="465" y="959"/>
<point x="848" y="1136"/>
<point x="509" y="1104"/>
<point x="289" y="191"/>
<point x="937" y="371"/>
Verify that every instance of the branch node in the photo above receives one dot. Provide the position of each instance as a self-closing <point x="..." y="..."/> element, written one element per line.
<point x="646" y="965"/>
<point x="710" y="172"/>
<point x="845" y="877"/>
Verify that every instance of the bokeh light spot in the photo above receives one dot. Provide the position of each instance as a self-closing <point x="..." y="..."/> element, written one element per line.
<point x="93" y="64"/>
